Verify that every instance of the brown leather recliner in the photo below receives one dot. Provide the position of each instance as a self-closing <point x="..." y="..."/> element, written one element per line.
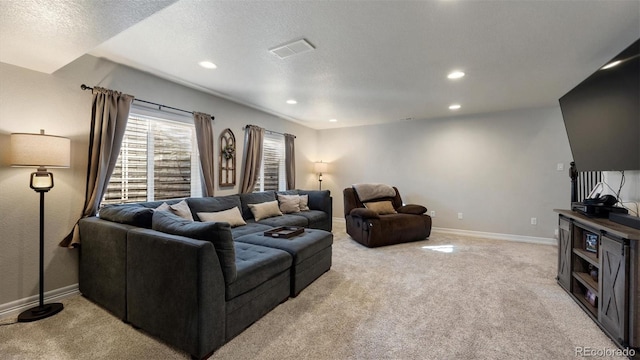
<point x="367" y="227"/>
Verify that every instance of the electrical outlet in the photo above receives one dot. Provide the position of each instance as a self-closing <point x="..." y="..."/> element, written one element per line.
<point x="433" y="213"/>
<point x="556" y="233"/>
<point x="460" y="216"/>
<point x="534" y="221"/>
<point x="560" y="167"/>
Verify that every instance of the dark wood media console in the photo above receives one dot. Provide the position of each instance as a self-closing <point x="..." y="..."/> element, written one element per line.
<point x="599" y="266"/>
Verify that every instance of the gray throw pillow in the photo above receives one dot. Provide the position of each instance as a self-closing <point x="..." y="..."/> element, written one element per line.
<point x="128" y="214"/>
<point x="219" y="234"/>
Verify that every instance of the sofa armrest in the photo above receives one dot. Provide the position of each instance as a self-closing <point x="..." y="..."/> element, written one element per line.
<point x="103" y="257"/>
<point x="176" y="290"/>
<point x="364" y="213"/>
<point x="412" y="209"/>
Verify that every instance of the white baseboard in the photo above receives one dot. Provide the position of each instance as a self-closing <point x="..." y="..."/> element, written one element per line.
<point x="497" y="236"/>
<point x="16" y="307"/>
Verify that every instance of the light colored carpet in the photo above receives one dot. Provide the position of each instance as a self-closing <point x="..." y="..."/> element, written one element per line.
<point x="449" y="297"/>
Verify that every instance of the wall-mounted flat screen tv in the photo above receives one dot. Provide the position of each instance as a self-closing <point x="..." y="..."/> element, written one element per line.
<point x="602" y="115"/>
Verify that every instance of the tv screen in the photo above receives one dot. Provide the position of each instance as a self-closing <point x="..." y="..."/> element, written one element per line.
<point x="602" y="115"/>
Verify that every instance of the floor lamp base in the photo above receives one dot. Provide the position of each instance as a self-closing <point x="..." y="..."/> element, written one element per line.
<point x="40" y="312"/>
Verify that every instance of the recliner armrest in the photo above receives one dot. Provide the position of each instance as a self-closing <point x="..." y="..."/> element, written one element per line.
<point x="412" y="209"/>
<point x="364" y="213"/>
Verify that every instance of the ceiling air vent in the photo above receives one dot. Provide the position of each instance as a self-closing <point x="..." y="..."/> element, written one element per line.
<point x="292" y="48"/>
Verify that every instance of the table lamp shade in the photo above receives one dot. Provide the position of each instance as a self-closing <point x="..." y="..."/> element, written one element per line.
<point x="40" y="150"/>
<point x="320" y="167"/>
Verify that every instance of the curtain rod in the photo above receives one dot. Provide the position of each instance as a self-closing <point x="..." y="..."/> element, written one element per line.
<point x="160" y="106"/>
<point x="269" y="131"/>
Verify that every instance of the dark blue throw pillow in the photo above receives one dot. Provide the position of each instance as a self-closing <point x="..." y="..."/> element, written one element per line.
<point x="135" y="215"/>
<point x="219" y="234"/>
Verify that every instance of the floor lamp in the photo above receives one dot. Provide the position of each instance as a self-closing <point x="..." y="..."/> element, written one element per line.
<point x="42" y="151"/>
<point x="319" y="168"/>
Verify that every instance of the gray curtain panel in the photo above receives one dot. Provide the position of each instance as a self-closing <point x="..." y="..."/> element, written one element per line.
<point x="109" y="116"/>
<point x="204" y="134"/>
<point x="290" y="160"/>
<point x="253" y="139"/>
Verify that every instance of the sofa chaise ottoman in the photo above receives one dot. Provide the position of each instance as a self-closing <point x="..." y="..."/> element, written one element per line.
<point x="310" y="252"/>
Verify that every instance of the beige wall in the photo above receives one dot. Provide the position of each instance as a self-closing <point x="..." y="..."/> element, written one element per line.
<point x="499" y="170"/>
<point x="30" y="101"/>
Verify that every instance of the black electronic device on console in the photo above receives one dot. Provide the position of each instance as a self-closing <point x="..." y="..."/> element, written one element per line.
<point x="598" y="206"/>
<point x="606" y="200"/>
<point x="598" y="210"/>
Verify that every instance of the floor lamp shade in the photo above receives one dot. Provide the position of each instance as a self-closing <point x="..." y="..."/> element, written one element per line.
<point x="320" y="167"/>
<point x="42" y="151"/>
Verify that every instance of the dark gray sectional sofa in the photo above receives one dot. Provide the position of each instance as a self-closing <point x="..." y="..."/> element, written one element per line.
<point x="196" y="285"/>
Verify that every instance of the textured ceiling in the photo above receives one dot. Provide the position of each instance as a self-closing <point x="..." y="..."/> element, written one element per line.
<point x="374" y="62"/>
<point x="45" y="35"/>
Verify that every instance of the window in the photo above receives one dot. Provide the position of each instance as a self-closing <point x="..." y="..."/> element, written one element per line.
<point x="158" y="160"/>
<point x="272" y="172"/>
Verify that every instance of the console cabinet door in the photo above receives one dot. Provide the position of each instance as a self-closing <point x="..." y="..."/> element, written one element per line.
<point x="564" y="254"/>
<point x="613" y="310"/>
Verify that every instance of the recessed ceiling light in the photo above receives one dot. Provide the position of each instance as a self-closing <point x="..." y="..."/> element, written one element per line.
<point x="207" y="64"/>
<point x="291" y="102"/>
<point x="611" y="64"/>
<point x="455" y="75"/>
<point x="454" y="107"/>
<point x="333" y="120"/>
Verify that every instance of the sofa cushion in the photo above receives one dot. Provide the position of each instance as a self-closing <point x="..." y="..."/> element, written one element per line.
<point x="255" y="265"/>
<point x="289" y="203"/>
<point x="213" y="204"/>
<point x="285" y="220"/>
<point x="231" y="216"/>
<point x="217" y="233"/>
<point x="265" y="210"/>
<point x="254" y="198"/>
<point x="381" y="207"/>
<point x="313" y="216"/>
<point x="135" y="215"/>
<point x="250" y="228"/>
<point x="317" y="198"/>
